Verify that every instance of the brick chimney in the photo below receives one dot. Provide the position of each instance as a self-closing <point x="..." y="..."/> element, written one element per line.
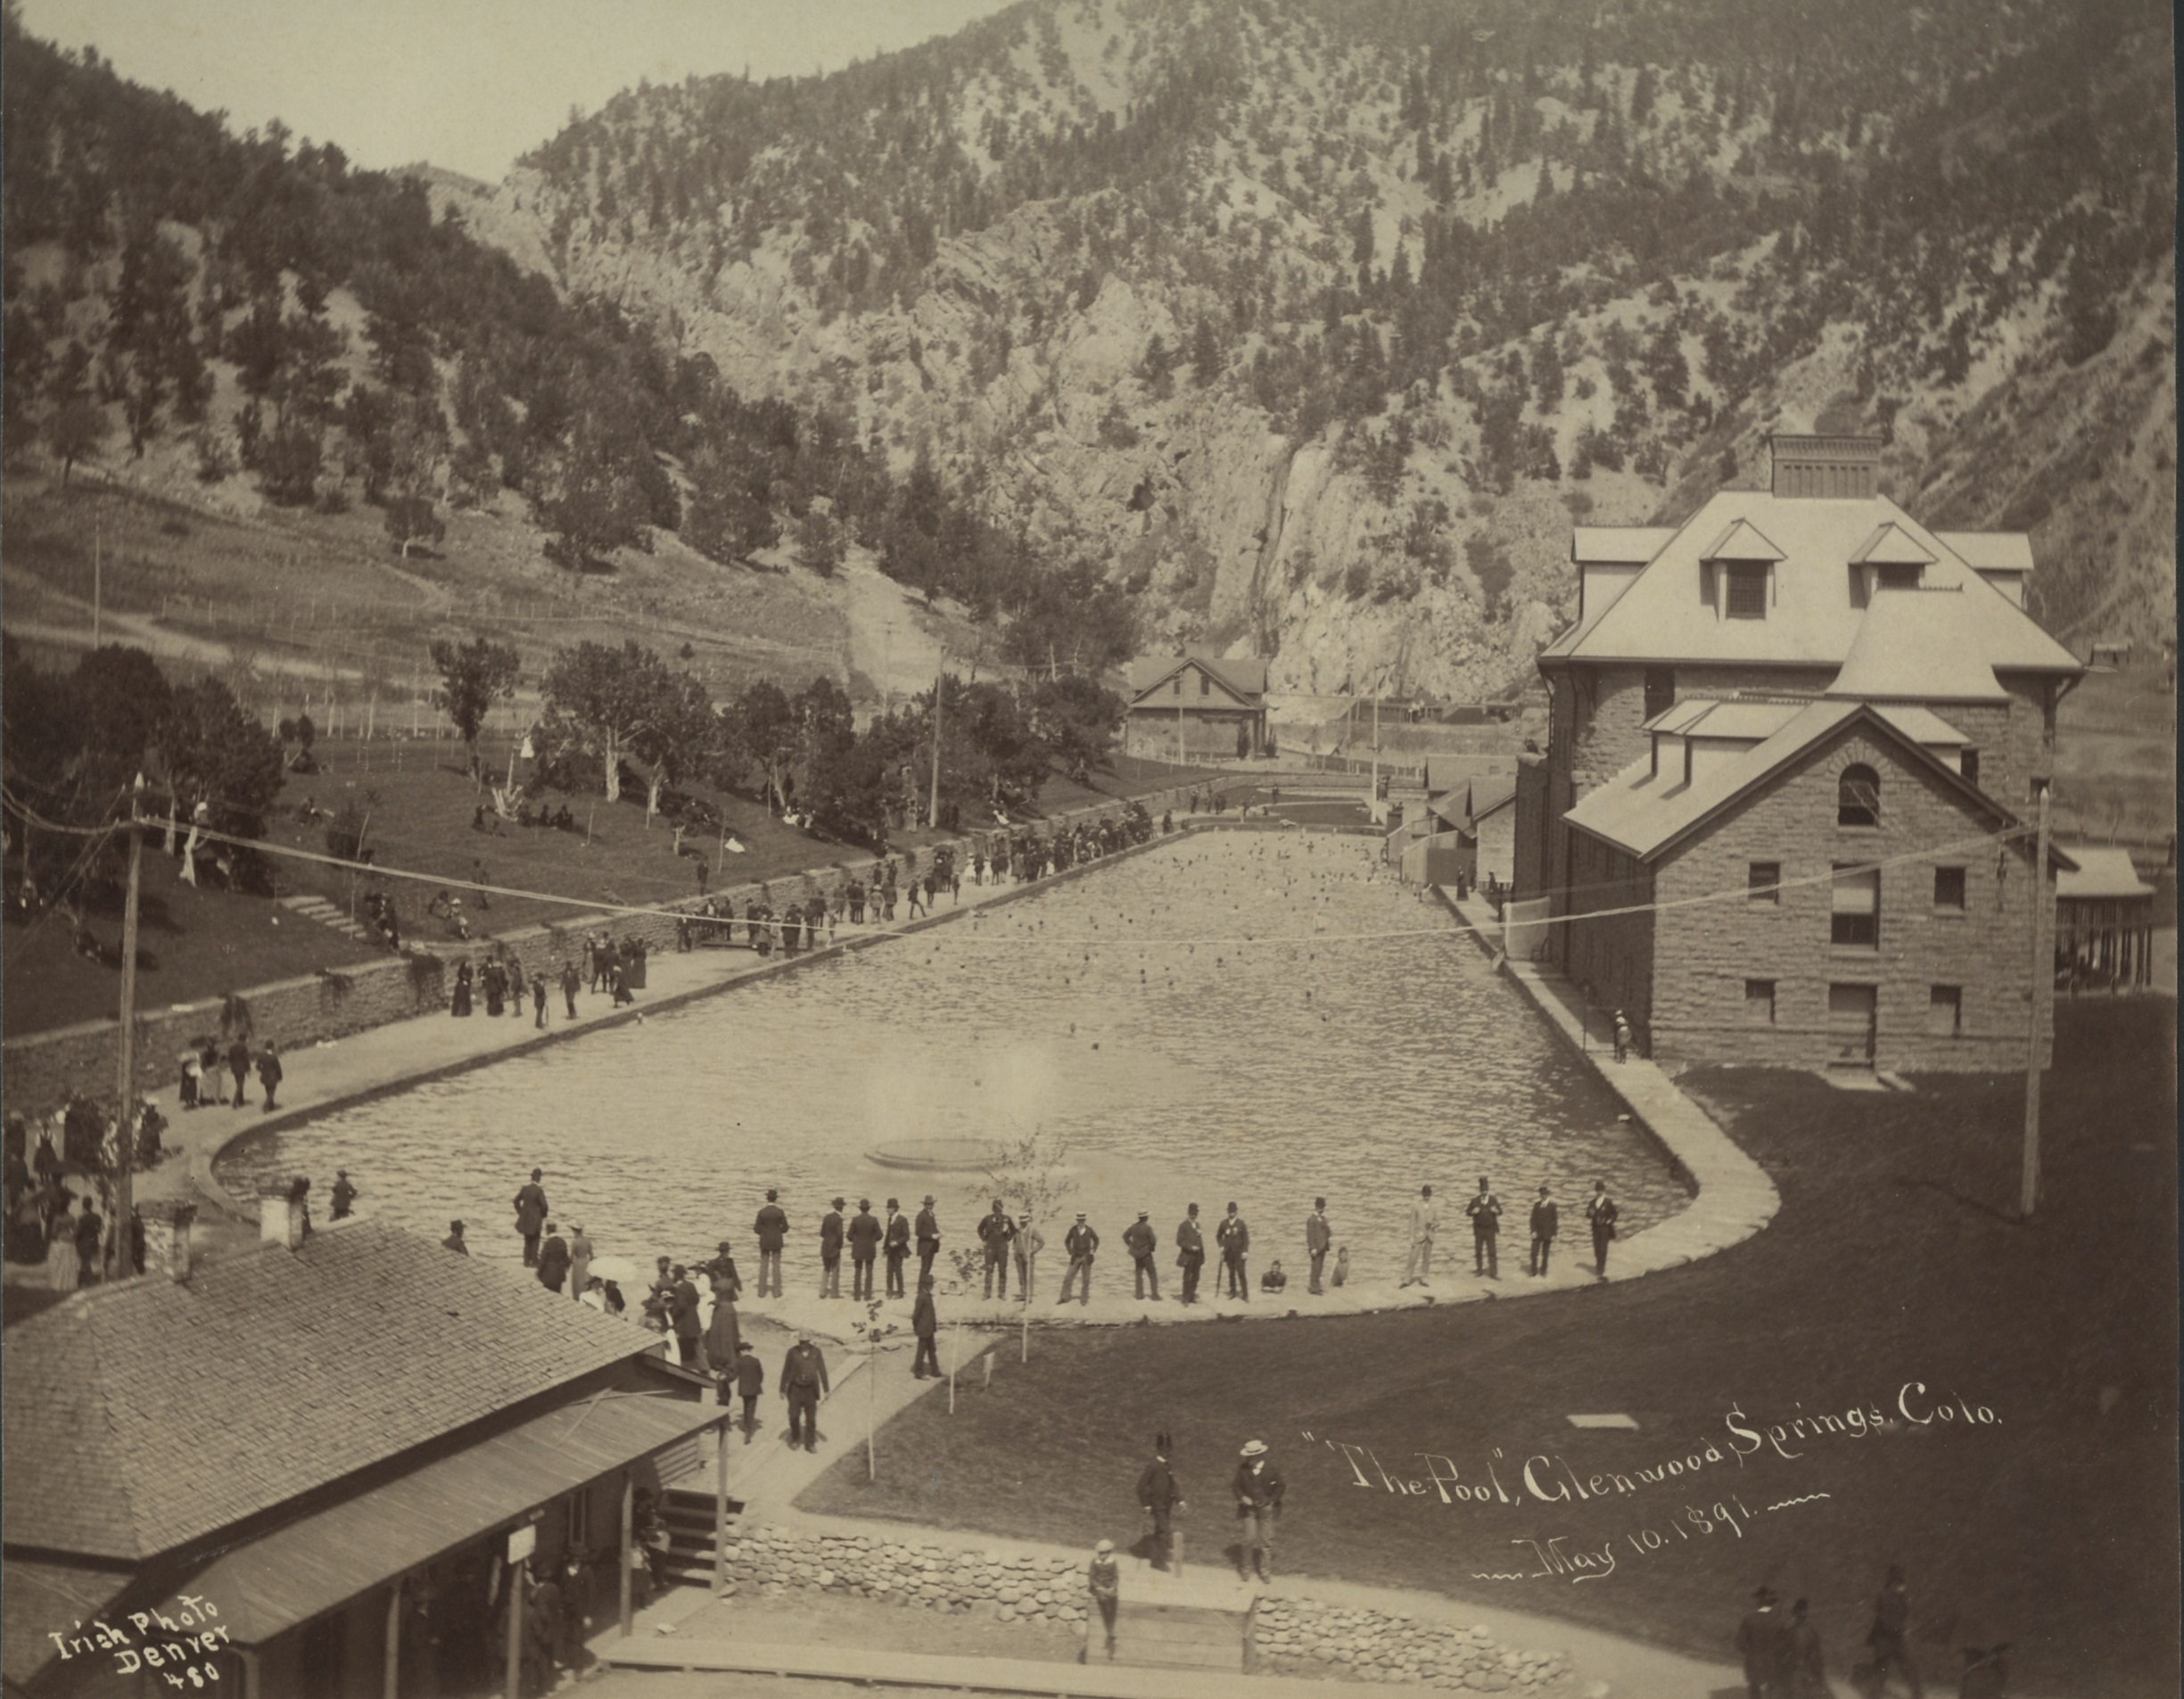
<point x="1833" y="469"/>
<point x="167" y="1237"/>
<point x="282" y="1214"/>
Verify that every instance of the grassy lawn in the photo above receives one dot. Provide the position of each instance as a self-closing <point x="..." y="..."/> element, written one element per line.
<point x="192" y="943"/>
<point x="196" y="942"/>
<point x="1893" y="1261"/>
<point x="2116" y="757"/>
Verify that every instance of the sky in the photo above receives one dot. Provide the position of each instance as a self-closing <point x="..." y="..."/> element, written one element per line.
<point x="465" y="84"/>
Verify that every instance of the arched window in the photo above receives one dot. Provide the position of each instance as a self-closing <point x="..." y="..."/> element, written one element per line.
<point x="1857" y="797"/>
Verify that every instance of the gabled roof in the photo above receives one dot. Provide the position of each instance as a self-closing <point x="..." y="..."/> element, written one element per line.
<point x="1469" y="804"/>
<point x="1917" y="645"/>
<point x="1743" y="541"/>
<point x="1662" y="617"/>
<point x="147" y="1414"/>
<point x="1989" y="551"/>
<point x="1618" y="545"/>
<point x="2102" y="875"/>
<point x="1244" y="678"/>
<point x="1892" y="546"/>
<point x="1649" y="814"/>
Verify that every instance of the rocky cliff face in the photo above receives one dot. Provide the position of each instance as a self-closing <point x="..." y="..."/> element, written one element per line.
<point x="1327" y="367"/>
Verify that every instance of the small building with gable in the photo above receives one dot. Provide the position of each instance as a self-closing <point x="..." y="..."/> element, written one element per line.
<point x="1195" y="707"/>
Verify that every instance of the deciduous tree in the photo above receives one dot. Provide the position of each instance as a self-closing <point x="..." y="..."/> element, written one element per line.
<point x="473" y="677"/>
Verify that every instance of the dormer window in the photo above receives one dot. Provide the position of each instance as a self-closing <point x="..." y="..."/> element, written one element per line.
<point x="1747" y="591"/>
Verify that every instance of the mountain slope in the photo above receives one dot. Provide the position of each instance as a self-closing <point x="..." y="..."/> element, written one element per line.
<point x="1316" y="325"/>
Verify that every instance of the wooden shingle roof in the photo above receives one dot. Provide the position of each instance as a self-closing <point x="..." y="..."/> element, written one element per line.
<point x="148" y="1414"/>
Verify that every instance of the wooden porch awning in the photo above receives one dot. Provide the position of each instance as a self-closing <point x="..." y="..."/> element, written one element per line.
<point x="302" y="1571"/>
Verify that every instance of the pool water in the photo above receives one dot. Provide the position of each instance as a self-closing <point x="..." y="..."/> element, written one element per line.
<point x="1250" y="1015"/>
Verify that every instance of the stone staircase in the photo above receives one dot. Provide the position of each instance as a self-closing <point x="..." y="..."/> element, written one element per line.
<point x="316" y="908"/>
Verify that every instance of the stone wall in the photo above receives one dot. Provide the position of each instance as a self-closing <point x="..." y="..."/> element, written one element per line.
<point x="1290" y="1635"/>
<point x="1705" y="953"/>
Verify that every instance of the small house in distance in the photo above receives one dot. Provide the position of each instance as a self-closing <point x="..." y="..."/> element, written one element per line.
<point x="331" y="1447"/>
<point x="2104" y="923"/>
<point x="1482" y="815"/>
<point x="1195" y="707"/>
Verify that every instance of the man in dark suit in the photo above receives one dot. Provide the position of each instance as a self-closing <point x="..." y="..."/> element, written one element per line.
<point x="1546" y="1221"/>
<point x="1485" y="1210"/>
<point x="772" y="1229"/>
<point x="995" y="1230"/>
<point x="531" y="1211"/>
<point x="803" y="1383"/>
<point x="1160" y="1498"/>
<point x="454" y="1240"/>
<point x="1319" y="1237"/>
<point x="1235" y="1239"/>
<point x="682" y="1314"/>
<point x="1082" y="1242"/>
<point x="925" y="1327"/>
<point x="928" y="1238"/>
<point x="830" y="1252"/>
<point x="1141" y="1242"/>
<point x="1763" y="1640"/>
<point x="553" y="1259"/>
<point x="1600" y="1213"/>
<point x="895" y="1245"/>
<point x="1189" y="1253"/>
<point x="864" y="1234"/>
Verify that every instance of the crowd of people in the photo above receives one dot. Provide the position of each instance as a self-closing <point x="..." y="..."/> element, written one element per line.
<point x="60" y="1208"/>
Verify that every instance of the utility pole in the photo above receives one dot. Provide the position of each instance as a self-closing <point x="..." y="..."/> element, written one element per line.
<point x="932" y="813"/>
<point x="2043" y="982"/>
<point x="124" y="1134"/>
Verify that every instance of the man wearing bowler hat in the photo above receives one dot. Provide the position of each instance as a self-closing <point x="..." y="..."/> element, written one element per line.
<point x="830" y="1252"/>
<point x="928" y="1238"/>
<point x="895" y="1245"/>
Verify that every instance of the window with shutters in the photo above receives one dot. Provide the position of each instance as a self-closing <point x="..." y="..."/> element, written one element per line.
<point x="1747" y="598"/>
<point x="1855" y="919"/>
<point x="1857" y="797"/>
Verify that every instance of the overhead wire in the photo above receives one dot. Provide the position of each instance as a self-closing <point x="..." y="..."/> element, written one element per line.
<point x="1743" y="893"/>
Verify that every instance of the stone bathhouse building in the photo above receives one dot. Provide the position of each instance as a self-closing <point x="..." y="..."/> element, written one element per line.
<point x="1793" y="749"/>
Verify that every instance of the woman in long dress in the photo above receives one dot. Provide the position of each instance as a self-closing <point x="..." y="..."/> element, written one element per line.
<point x="461" y="1003"/>
<point x="63" y="1267"/>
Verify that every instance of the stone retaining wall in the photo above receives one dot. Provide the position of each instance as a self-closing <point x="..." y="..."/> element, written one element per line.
<point x="1290" y="1635"/>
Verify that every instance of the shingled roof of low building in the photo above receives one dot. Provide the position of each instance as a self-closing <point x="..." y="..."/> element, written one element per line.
<point x="150" y="1413"/>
